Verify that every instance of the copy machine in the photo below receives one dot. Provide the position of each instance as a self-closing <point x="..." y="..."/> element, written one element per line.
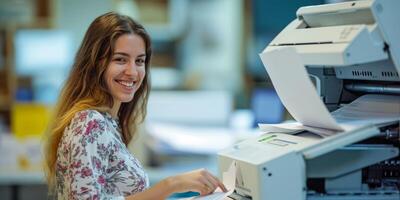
<point x="349" y="49"/>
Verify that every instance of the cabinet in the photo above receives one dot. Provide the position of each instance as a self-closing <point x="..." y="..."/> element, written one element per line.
<point x="14" y="16"/>
<point x="6" y="75"/>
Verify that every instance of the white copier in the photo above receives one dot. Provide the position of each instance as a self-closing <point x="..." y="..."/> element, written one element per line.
<point x="349" y="49"/>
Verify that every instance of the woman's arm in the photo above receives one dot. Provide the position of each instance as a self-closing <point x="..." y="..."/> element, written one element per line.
<point x="200" y="181"/>
<point x="83" y="158"/>
<point x="161" y="190"/>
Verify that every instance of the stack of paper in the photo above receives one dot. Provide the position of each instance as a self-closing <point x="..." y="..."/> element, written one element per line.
<point x="296" y="91"/>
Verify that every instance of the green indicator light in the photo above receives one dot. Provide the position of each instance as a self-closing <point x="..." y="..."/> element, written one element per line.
<point x="266" y="138"/>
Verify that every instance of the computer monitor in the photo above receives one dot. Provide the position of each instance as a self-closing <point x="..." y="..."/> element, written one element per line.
<point x="45" y="56"/>
<point x="38" y="51"/>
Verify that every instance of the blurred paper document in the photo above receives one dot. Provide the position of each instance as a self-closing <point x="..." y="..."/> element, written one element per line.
<point x="290" y="79"/>
<point x="190" y="139"/>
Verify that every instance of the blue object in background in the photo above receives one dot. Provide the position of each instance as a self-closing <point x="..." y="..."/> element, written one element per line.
<point x="266" y="106"/>
<point x="24" y="95"/>
<point x="183" y="195"/>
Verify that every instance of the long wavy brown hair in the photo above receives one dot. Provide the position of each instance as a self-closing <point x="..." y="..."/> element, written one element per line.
<point x="85" y="88"/>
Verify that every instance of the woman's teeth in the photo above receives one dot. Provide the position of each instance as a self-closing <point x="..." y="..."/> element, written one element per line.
<point x="126" y="83"/>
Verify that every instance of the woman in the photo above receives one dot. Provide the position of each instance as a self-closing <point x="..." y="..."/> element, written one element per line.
<point x="101" y="104"/>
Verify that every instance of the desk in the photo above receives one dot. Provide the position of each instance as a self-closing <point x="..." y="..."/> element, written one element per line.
<point x="18" y="180"/>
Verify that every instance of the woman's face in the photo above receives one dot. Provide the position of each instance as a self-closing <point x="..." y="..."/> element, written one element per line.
<point x="126" y="71"/>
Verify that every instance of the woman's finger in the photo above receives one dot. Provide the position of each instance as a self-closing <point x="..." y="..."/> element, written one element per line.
<point x="209" y="186"/>
<point x="199" y="187"/>
<point x="213" y="180"/>
<point x="217" y="183"/>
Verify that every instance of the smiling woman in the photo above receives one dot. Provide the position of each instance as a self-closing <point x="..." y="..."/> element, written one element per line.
<point x="126" y="71"/>
<point x="103" y="101"/>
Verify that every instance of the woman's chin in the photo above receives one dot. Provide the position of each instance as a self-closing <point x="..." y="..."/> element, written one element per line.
<point x="126" y="98"/>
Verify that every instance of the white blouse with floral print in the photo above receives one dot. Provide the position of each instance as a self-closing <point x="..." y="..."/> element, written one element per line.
<point x="94" y="163"/>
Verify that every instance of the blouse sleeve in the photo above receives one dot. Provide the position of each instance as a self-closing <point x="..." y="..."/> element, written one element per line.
<point x="90" y="146"/>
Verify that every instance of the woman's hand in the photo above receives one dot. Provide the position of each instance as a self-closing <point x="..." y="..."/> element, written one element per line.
<point x="199" y="180"/>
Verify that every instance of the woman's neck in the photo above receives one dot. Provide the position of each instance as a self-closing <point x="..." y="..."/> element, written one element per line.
<point x="114" y="110"/>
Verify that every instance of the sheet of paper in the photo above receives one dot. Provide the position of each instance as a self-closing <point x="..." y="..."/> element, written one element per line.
<point x="371" y="108"/>
<point x="213" y="196"/>
<point x="295" y="89"/>
<point x="289" y="128"/>
<point x="229" y="180"/>
<point x="293" y="128"/>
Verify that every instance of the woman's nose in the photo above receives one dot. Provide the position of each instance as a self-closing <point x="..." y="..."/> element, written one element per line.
<point x="131" y="70"/>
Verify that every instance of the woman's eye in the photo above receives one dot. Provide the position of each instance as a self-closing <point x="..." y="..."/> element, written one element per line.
<point x="140" y="61"/>
<point x="121" y="60"/>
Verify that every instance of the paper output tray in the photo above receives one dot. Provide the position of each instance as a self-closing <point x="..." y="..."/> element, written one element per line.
<point x="339" y="140"/>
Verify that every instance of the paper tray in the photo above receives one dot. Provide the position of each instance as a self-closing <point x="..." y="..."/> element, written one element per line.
<point x="339" y="140"/>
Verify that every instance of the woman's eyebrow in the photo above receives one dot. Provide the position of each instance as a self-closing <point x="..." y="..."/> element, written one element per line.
<point x="127" y="55"/>
<point x="121" y="53"/>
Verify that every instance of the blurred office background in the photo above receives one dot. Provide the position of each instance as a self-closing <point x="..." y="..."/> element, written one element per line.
<point x="209" y="87"/>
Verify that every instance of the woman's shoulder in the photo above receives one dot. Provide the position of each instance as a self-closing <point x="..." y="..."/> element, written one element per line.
<point x="88" y="128"/>
<point x="88" y="114"/>
<point x="87" y="121"/>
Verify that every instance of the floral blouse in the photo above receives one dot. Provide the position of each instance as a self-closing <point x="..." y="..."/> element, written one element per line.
<point x="94" y="163"/>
